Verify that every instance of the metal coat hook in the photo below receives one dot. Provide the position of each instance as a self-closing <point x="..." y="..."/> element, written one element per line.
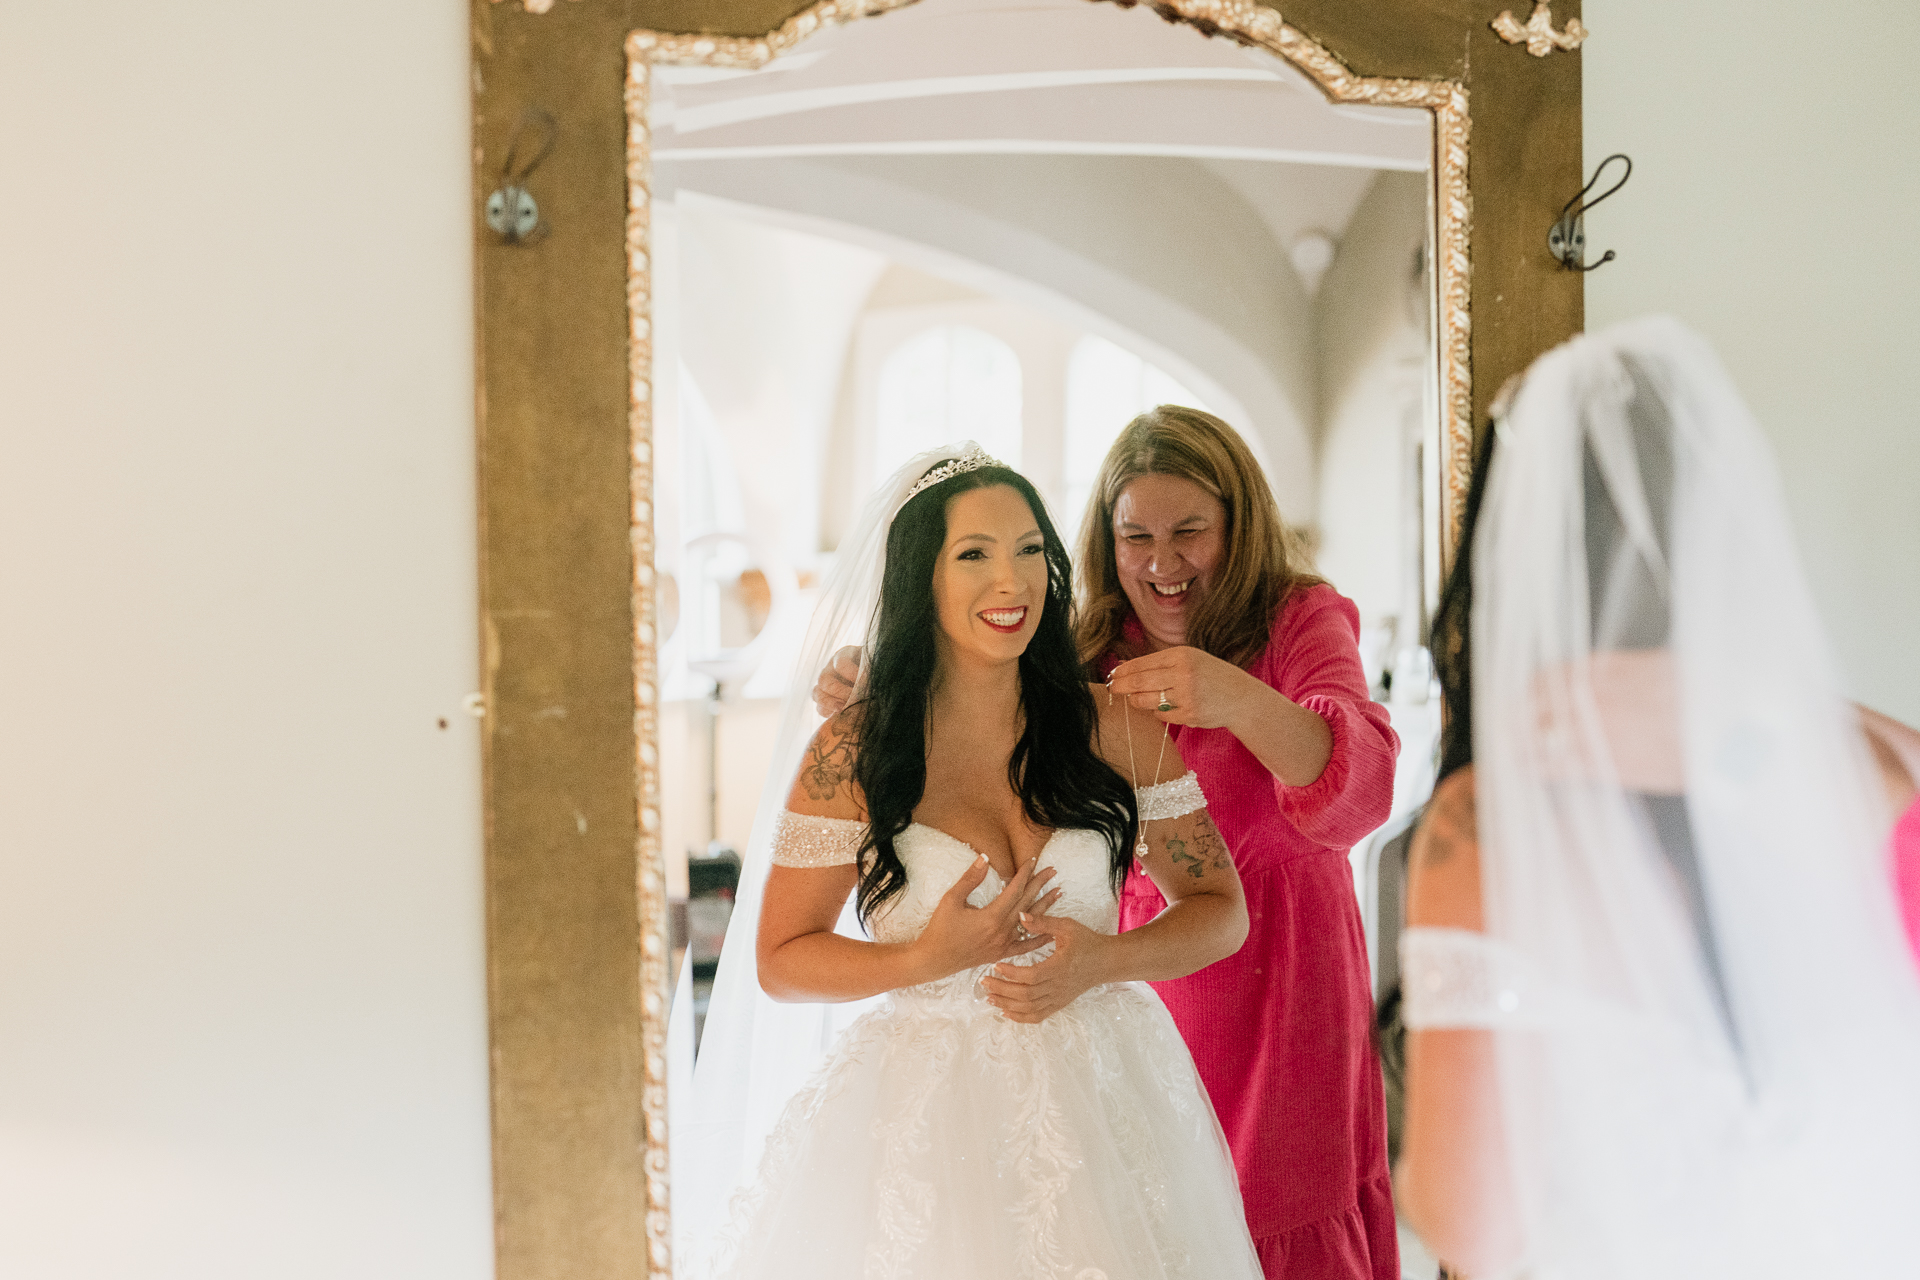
<point x="512" y="211"/>
<point x="1567" y="241"/>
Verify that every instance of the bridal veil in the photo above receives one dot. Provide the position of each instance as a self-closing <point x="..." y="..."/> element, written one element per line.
<point x="1709" y="1048"/>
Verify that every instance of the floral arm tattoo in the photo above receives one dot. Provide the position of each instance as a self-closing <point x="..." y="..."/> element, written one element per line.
<point x="829" y="763"/>
<point x="1204" y="852"/>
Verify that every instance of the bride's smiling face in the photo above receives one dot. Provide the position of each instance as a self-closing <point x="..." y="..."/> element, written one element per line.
<point x="990" y="581"/>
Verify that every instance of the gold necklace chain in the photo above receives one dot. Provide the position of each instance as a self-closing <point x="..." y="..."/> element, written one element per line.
<point x="1140" y="846"/>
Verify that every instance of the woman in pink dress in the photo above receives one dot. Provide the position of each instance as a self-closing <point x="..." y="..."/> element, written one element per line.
<point x="1192" y="610"/>
<point x="1896" y="753"/>
<point x="1906" y="872"/>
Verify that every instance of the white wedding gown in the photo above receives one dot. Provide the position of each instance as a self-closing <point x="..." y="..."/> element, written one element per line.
<point x="941" y="1141"/>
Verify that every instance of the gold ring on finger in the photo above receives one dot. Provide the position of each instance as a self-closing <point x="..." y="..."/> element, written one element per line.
<point x="1164" y="704"/>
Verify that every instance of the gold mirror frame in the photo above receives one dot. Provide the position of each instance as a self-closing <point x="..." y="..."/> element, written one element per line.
<point x="576" y="889"/>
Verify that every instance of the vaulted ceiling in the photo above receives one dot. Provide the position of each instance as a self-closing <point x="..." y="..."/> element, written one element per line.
<point x="1133" y="176"/>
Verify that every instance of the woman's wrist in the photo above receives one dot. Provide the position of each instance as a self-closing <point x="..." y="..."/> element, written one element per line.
<point x="1107" y="959"/>
<point x="923" y="961"/>
<point x="1293" y="742"/>
<point x="1254" y="705"/>
<point x="1172" y="945"/>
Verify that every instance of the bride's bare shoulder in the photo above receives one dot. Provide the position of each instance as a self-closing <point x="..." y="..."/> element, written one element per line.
<point x="825" y="786"/>
<point x="1443" y="886"/>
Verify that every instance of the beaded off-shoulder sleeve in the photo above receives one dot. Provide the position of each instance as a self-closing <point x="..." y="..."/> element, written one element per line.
<point x="1173" y="799"/>
<point x="803" y="841"/>
<point x="1457" y="978"/>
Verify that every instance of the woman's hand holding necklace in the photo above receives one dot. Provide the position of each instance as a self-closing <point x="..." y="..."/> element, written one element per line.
<point x="1187" y="686"/>
<point x="1201" y="690"/>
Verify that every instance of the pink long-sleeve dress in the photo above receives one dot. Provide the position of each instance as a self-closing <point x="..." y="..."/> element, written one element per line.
<point x="1280" y="1031"/>
<point x="1906" y="872"/>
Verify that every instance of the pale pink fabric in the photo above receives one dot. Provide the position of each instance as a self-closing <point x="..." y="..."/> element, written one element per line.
<point x="1281" y="1030"/>
<point x="1906" y="872"/>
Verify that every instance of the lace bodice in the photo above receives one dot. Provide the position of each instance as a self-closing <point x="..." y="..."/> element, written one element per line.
<point x="934" y="860"/>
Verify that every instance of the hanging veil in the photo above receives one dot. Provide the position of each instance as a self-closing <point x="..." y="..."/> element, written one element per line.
<point x="755" y="1054"/>
<point x="1709" y="1044"/>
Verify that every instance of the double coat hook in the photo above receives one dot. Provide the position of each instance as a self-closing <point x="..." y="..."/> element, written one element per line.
<point x="512" y="212"/>
<point x="1567" y="241"/>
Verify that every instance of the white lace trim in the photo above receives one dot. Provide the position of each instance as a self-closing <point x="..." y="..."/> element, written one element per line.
<point x="803" y="841"/>
<point x="1173" y="799"/>
<point x="1460" y="978"/>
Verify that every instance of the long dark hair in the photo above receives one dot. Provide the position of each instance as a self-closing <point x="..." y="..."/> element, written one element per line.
<point x="1450" y="638"/>
<point x="1060" y="781"/>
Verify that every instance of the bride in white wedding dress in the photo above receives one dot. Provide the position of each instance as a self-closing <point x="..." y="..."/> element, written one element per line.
<point x="1018" y="1104"/>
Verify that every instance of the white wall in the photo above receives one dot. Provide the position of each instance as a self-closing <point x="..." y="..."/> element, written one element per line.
<point x="1774" y="181"/>
<point x="241" y="978"/>
<point x="1373" y="364"/>
<point x="762" y="319"/>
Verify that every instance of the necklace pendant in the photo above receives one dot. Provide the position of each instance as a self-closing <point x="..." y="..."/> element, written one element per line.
<point x="1140" y="849"/>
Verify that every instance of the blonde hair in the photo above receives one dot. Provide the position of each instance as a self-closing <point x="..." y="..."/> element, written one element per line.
<point x="1234" y="619"/>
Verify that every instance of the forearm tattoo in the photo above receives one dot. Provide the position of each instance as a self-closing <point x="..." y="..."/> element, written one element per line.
<point x="828" y="765"/>
<point x="1204" y="852"/>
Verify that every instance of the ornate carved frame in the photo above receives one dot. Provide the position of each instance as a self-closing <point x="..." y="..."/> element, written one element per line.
<point x="576" y="888"/>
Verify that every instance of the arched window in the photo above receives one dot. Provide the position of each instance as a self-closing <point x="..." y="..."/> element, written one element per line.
<point x="949" y="383"/>
<point x="1107" y="387"/>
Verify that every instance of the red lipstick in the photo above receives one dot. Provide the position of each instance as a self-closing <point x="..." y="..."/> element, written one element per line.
<point x="1019" y="616"/>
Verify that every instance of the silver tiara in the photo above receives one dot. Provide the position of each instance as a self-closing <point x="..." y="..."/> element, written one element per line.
<point x="971" y="459"/>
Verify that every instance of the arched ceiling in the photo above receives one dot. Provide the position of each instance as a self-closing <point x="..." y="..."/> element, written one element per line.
<point x="1120" y="168"/>
<point x="1011" y="76"/>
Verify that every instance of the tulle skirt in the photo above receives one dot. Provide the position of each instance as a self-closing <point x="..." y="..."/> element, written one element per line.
<point x="941" y="1141"/>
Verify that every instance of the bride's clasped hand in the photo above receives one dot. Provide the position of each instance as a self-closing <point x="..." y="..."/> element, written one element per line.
<point x="960" y="936"/>
<point x="1081" y="961"/>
